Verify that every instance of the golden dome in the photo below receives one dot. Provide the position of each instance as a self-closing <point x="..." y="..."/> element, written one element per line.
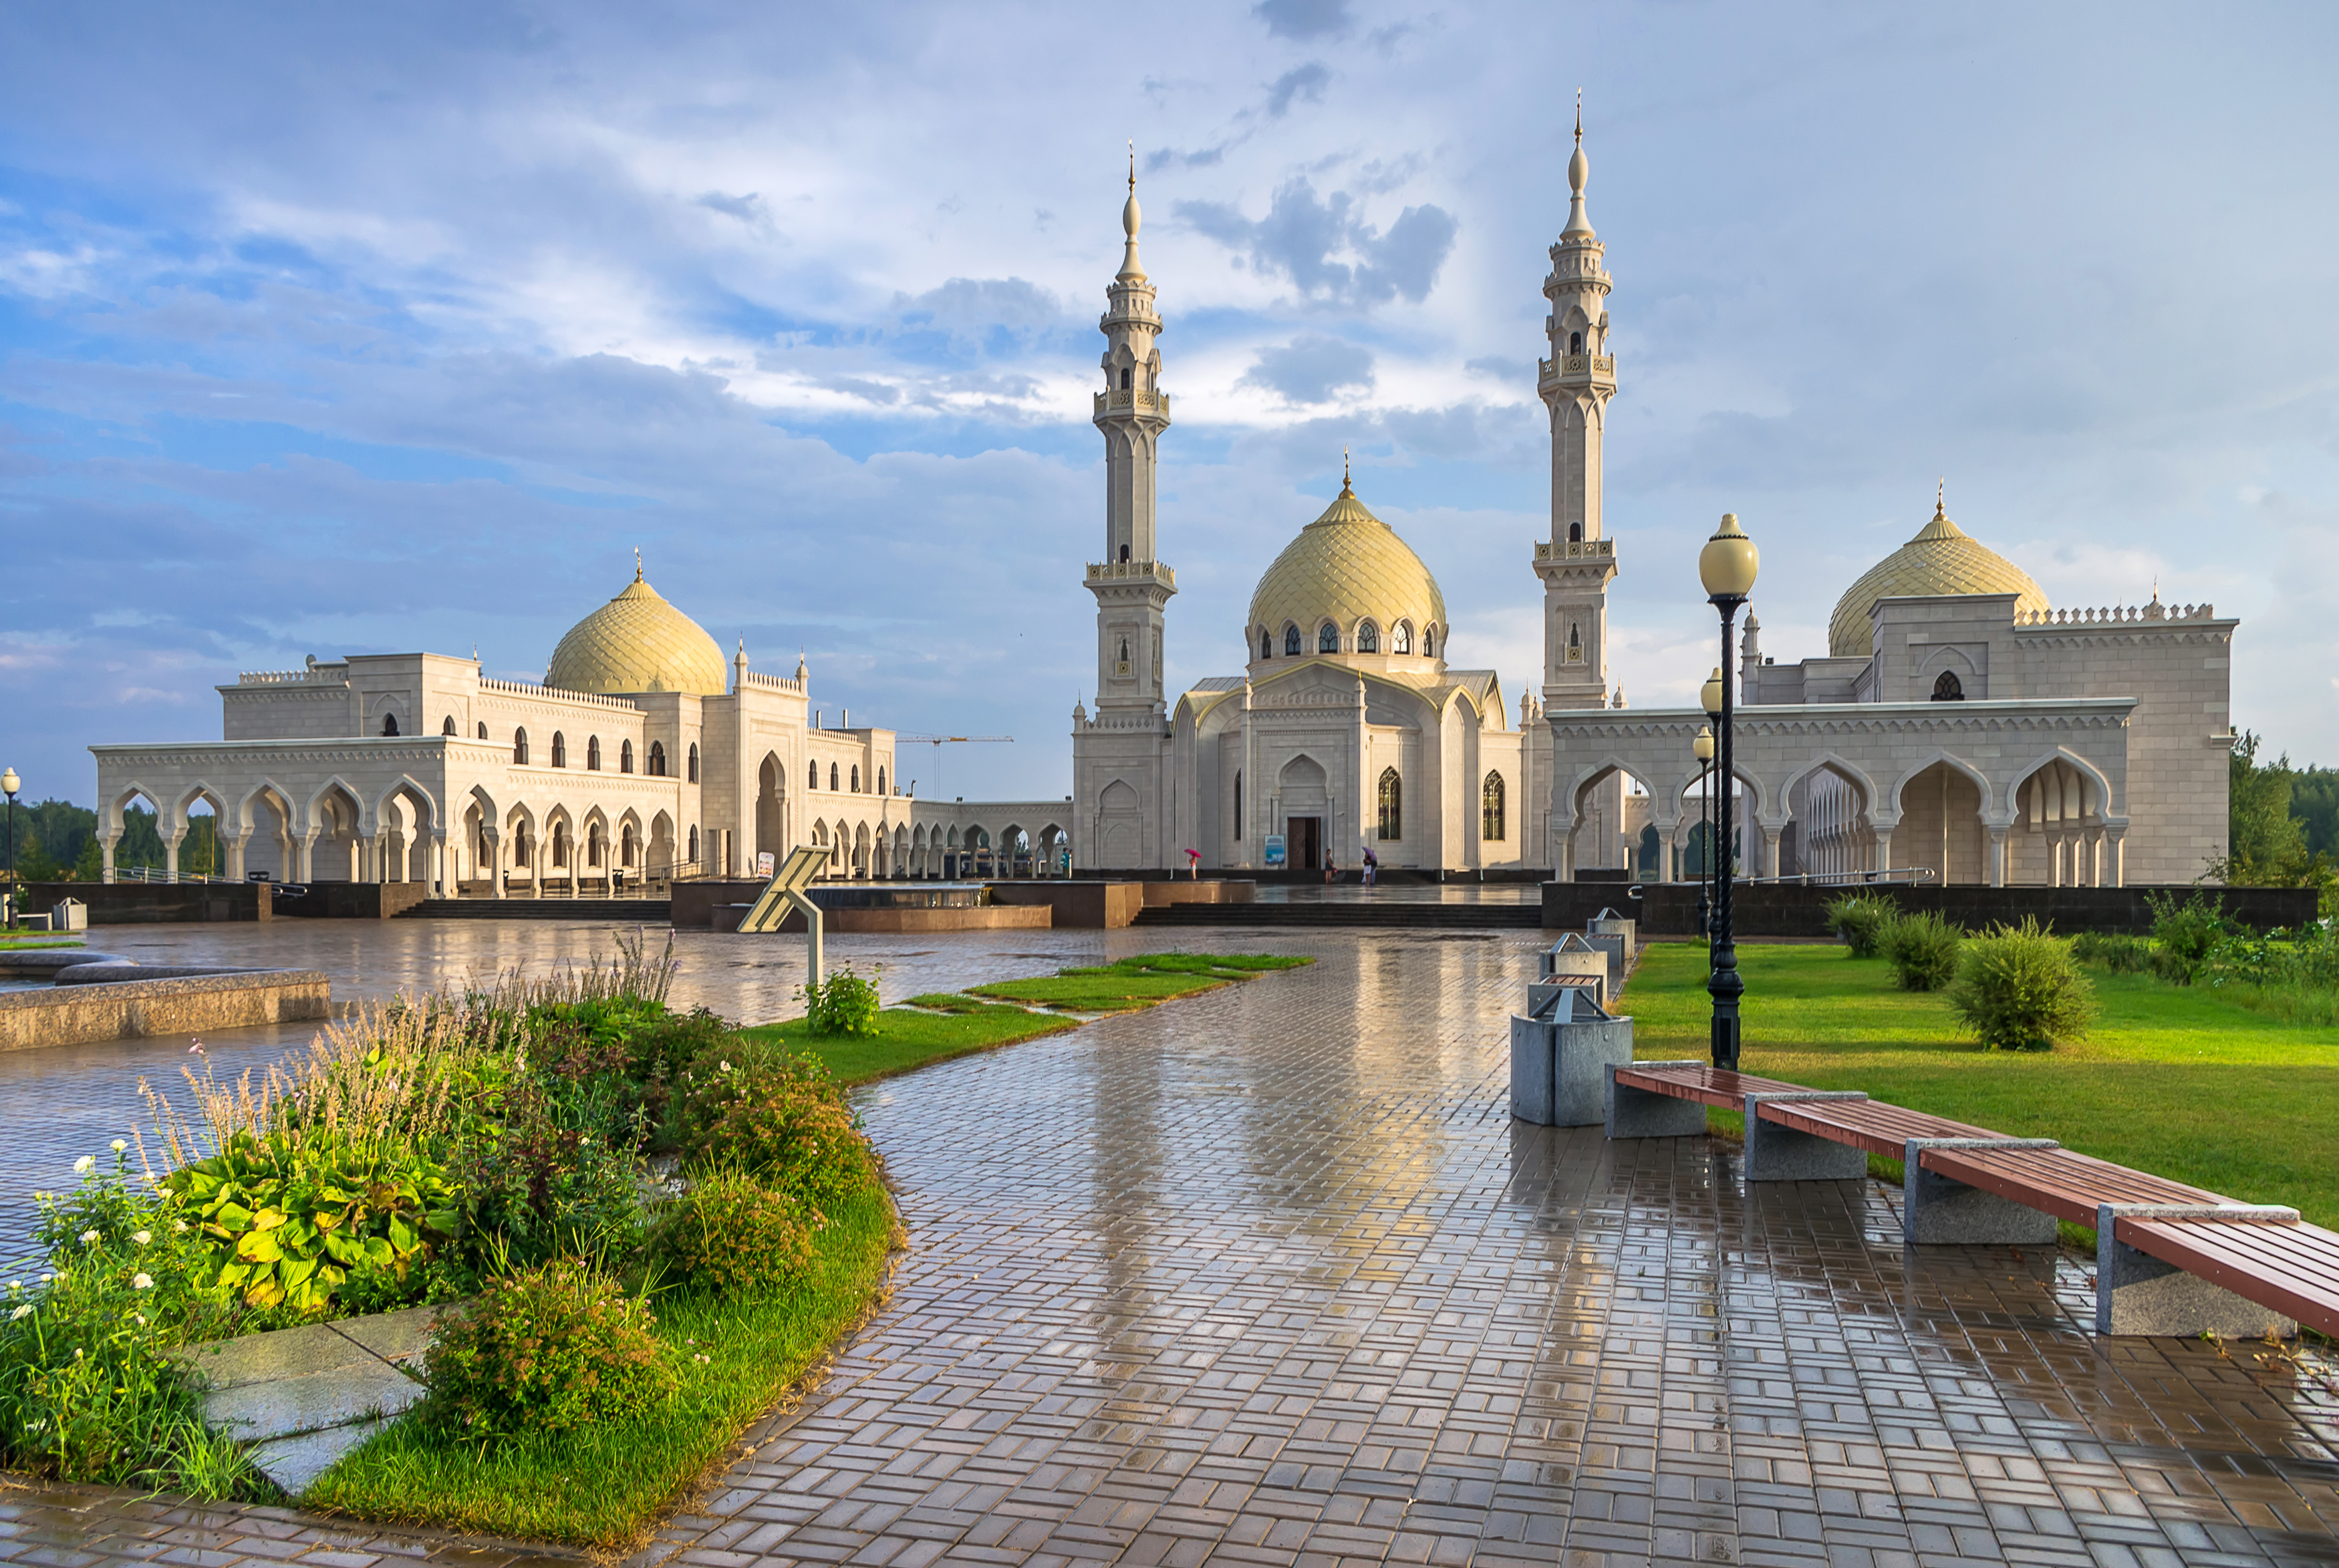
<point x="1346" y="567"/>
<point x="637" y="643"/>
<point x="1942" y="560"/>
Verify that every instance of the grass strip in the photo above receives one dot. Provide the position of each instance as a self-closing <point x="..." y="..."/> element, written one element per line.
<point x="1141" y="981"/>
<point x="604" y="1487"/>
<point x="2176" y="1080"/>
<point x="907" y="1040"/>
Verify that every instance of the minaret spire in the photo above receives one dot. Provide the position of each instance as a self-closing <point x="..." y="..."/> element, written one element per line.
<point x="1579" y="170"/>
<point x="1131" y="271"/>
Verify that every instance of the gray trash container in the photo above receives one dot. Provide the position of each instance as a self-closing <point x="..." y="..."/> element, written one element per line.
<point x="1560" y="1058"/>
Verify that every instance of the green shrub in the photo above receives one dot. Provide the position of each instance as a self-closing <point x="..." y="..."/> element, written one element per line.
<point x="2019" y="989"/>
<point x="2120" y="953"/>
<point x="843" y="1003"/>
<point x="542" y="1178"/>
<point x="2183" y="934"/>
<point x="1860" y="919"/>
<point x="733" y="1235"/>
<point x="548" y="1349"/>
<point x="778" y="1115"/>
<point x="285" y="1223"/>
<point x="1922" y="948"/>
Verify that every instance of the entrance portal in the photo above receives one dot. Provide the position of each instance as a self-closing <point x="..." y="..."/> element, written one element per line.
<point x="1305" y="835"/>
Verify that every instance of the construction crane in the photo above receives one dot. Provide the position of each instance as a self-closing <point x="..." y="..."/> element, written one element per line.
<point x="938" y="742"/>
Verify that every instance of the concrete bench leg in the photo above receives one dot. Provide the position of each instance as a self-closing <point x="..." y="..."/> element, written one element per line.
<point x="1644" y="1113"/>
<point x="2138" y="1294"/>
<point x="1775" y="1153"/>
<point x="1937" y="1211"/>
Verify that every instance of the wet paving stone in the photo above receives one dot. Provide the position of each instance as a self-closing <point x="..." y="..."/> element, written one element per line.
<point x="1269" y="1276"/>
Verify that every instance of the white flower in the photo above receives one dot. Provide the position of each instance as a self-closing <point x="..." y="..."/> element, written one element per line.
<point x="139" y="1319"/>
<point x="142" y="1237"/>
<point x="85" y="1165"/>
<point x="89" y="1238"/>
<point x="727" y="1067"/>
<point x="119" y="1146"/>
<point x="142" y="1282"/>
<point x="23" y="1311"/>
<point x="179" y="1225"/>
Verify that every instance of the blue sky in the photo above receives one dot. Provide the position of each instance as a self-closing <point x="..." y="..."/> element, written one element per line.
<point x="325" y="331"/>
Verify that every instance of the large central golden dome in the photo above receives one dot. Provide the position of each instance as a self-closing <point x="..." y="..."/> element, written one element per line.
<point x="637" y="643"/>
<point x="1942" y="560"/>
<point x="1347" y="566"/>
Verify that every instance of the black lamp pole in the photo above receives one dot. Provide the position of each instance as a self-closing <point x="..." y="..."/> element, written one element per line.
<point x="1726" y="569"/>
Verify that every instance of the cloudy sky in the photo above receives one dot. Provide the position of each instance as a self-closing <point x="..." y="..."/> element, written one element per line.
<point x="333" y="329"/>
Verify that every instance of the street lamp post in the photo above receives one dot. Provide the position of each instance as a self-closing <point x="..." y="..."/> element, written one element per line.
<point x="1726" y="569"/>
<point x="1704" y="748"/>
<point x="9" y="785"/>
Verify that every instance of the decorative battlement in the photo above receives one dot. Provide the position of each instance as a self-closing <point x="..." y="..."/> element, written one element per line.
<point x="1597" y="366"/>
<point x="316" y="676"/>
<point x="1575" y="549"/>
<point x="1133" y="399"/>
<point x="1138" y="571"/>
<point x="781" y="683"/>
<point x="2117" y="615"/>
<point x="553" y="693"/>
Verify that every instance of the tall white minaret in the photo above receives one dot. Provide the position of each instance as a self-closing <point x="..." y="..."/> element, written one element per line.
<point x="1575" y="383"/>
<point x="1131" y="586"/>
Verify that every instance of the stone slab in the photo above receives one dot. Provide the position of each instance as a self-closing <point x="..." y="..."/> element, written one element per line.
<point x="130" y="1010"/>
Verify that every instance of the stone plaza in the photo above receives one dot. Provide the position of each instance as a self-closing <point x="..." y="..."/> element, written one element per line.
<point x="1270" y="1276"/>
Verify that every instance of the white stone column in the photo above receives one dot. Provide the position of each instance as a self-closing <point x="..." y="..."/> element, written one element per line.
<point x="171" y="855"/>
<point x="233" y="849"/>
<point x="1997" y="857"/>
<point x="2115" y="853"/>
<point x="105" y="842"/>
<point x="443" y="859"/>
<point x="1770" y="867"/>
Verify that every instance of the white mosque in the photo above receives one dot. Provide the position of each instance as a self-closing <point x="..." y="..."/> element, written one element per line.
<point x="1957" y="722"/>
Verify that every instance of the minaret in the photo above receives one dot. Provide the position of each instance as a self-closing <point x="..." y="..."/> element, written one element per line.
<point x="1131" y="586"/>
<point x="1575" y="383"/>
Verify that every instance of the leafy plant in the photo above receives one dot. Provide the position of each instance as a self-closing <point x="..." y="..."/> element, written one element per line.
<point x="287" y="1221"/>
<point x="843" y="1003"/>
<point x="549" y="1348"/>
<point x="2120" y="953"/>
<point x="1922" y="948"/>
<point x="735" y="1236"/>
<point x="2018" y="988"/>
<point x="778" y="1115"/>
<point x="1860" y="919"/>
<point x="2183" y="933"/>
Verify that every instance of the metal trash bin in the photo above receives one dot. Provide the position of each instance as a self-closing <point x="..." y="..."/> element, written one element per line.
<point x="1560" y="1057"/>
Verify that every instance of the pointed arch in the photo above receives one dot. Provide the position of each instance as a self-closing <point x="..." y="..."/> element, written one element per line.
<point x="2098" y="784"/>
<point x="1949" y="759"/>
<point x="408" y="785"/>
<point x="335" y="785"/>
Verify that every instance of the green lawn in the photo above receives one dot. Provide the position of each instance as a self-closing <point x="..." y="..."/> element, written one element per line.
<point x="2171" y="1079"/>
<point x="906" y="1039"/>
<point x="602" y="1486"/>
<point x="1137" y="982"/>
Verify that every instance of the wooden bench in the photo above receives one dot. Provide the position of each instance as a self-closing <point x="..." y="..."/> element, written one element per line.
<point x="2170" y="1259"/>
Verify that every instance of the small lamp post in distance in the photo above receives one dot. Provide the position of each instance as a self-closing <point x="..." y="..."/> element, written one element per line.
<point x="9" y="785"/>
<point x="1726" y="569"/>
<point x="1703" y="748"/>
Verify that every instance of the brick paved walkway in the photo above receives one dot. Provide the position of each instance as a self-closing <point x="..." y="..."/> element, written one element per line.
<point x="1270" y="1276"/>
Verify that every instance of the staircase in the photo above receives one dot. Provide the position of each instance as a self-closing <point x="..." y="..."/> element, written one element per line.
<point x="617" y="911"/>
<point x="1392" y="915"/>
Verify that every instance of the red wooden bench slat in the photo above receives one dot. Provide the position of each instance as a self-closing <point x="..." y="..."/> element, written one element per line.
<point x="1706" y="1085"/>
<point x="2291" y="1268"/>
<point x="1870" y="1124"/>
<point x="2065" y="1184"/>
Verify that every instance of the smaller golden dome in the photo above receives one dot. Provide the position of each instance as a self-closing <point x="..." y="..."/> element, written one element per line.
<point x="1347" y="566"/>
<point x="1942" y="560"/>
<point x="637" y="643"/>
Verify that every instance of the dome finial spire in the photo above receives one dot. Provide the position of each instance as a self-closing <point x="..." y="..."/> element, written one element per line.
<point x="1579" y="171"/>
<point x="1941" y="497"/>
<point x="1579" y="116"/>
<point x="1345" y="488"/>
<point x="1132" y="165"/>
<point x="1131" y="270"/>
<point x="638" y="563"/>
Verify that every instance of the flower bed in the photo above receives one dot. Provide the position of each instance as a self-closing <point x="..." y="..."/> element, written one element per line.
<point x="657" y="1224"/>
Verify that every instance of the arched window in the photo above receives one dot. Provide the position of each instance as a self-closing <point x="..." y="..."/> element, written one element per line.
<point x="881" y="778"/>
<point x="483" y="729"/>
<point x="1490" y="808"/>
<point x="811" y="779"/>
<point x="1948" y="689"/>
<point x="594" y="844"/>
<point x="1368" y="638"/>
<point x="1328" y="638"/>
<point x="559" y="843"/>
<point x="1124" y="377"/>
<point x="1576" y="533"/>
<point x="1430" y="641"/>
<point x="593" y="754"/>
<point x="694" y="841"/>
<point x="856" y="778"/>
<point x="831" y="776"/>
<point x="1124" y="552"/>
<point x="389" y="723"/>
<point x="625" y="847"/>
<point x="1391" y="821"/>
<point x="625" y="756"/>
<point x="448" y="727"/>
<point x="560" y="750"/>
<point x="1124" y="656"/>
<point x="693" y="761"/>
<point x="655" y="765"/>
<point x="1239" y="816"/>
<point x="520" y="746"/>
<point x="1266" y="644"/>
<point x="1575" y="342"/>
<point x="1401" y="639"/>
<point x="1290" y="641"/>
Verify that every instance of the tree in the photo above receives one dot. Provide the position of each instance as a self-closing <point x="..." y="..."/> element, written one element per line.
<point x="2267" y="842"/>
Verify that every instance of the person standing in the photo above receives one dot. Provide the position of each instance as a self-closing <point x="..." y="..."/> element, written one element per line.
<point x="1372" y="865"/>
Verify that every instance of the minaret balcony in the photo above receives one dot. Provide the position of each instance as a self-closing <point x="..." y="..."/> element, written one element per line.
<point x="1576" y="550"/>
<point x="1577" y="367"/>
<point x="1133" y="571"/>
<point x="1134" y="401"/>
